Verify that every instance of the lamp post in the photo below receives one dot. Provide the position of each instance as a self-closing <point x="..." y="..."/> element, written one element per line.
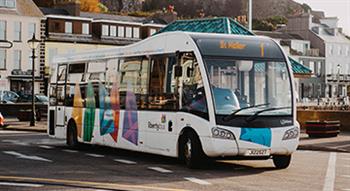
<point x="33" y="44"/>
<point x="250" y="14"/>
<point x="338" y="80"/>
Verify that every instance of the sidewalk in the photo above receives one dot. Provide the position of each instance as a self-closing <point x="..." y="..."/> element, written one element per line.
<point x="341" y="143"/>
<point x="15" y="124"/>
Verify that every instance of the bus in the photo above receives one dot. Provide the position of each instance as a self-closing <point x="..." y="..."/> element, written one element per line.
<point x="187" y="95"/>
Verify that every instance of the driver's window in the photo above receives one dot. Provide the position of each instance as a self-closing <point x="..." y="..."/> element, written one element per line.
<point x="193" y="98"/>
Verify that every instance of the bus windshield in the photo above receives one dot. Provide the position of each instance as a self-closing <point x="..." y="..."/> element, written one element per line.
<point x="250" y="87"/>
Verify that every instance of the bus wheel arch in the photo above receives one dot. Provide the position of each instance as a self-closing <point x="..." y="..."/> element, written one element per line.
<point x="190" y="149"/>
<point x="72" y="135"/>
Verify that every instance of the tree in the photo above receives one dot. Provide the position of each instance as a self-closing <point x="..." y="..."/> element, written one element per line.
<point x="90" y="6"/>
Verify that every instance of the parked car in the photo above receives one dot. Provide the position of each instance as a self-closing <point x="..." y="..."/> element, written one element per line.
<point x="39" y="98"/>
<point x="41" y="102"/>
<point x="8" y="96"/>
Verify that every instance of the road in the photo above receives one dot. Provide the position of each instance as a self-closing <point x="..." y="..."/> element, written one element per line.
<point x="32" y="161"/>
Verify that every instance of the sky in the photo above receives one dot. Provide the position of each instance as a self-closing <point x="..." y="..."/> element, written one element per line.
<point x="338" y="8"/>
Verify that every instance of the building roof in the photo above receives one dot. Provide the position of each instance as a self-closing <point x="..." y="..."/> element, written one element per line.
<point x="101" y="16"/>
<point x="226" y="26"/>
<point x="279" y="35"/>
<point x="23" y="8"/>
<point x="208" y="25"/>
<point x="53" y="11"/>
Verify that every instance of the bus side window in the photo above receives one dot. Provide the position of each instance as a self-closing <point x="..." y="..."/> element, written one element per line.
<point x="193" y="93"/>
<point x="161" y="93"/>
<point x="131" y="72"/>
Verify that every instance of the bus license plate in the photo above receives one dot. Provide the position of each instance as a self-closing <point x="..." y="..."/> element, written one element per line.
<point x="257" y="152"/>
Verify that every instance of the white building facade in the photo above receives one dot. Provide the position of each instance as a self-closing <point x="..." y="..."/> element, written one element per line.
<point x="325" y="35"/>
<point x="19" y="20"/>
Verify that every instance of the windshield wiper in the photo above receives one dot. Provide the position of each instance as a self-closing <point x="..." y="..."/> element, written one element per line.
<point x="253" y="117"/>
<point x="232" y="115"/>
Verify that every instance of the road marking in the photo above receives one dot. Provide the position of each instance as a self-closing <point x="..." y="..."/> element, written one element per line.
<point x="346" y="176"/>
<point x="330" y="175"/>
<point x="347" y="166"/>
<point x="125" y="161"/>
<point x="16" y="142"/>
<point x="345" y="158"/>
<point x="94" y="155"/>
<point x="22" y="156"/>
<point x="69" y="151"/>
<point x="346" y="189"/>
<point x="97" y="185"/>
<point x="159" y="169"/>
<point x="198" y="181"/>
<point x="45" y="147"/>
<point x="21" y="184"/>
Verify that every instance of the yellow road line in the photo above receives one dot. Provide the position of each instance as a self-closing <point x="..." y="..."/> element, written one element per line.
<point x="101" y="185"/>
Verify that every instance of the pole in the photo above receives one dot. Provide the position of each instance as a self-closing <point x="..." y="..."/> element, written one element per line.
<point x="250" y="12"/>
<point x="32" y="121"/>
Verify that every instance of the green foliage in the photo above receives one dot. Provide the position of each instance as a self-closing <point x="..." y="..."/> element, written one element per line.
<point x="306" y="7"/>
<point x="103" y="8"/>
<point x="269" y="24"/>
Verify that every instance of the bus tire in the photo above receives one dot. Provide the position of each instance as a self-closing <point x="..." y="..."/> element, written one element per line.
<point x="190" y="150"/>
<point x="72" y="138"/>
<point x="281" y="161"/>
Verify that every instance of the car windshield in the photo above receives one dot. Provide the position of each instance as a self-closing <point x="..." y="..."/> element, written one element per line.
<point x="245" y="87"/>
<point x="42" y="98"/>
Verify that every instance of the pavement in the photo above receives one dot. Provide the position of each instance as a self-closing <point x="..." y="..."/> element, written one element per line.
<point x="31" y="161"/>
<point x="341" y="143"/>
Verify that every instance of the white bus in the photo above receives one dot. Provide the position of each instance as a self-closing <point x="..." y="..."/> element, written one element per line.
<point x="179" y="94"/>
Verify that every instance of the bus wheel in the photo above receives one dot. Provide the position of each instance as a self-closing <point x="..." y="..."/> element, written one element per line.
<point x="72" y="139"/>
<point x="281" y="161"/>
<point x="191" y="150"/>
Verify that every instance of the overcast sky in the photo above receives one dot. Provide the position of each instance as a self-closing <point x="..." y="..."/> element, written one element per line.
<point x="338" y="8"/>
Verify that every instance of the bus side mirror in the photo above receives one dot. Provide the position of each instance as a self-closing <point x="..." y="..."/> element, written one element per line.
<point x="178" y="71"/>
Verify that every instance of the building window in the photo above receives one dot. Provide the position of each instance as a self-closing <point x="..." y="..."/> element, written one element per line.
<point x="128" y="32"/>
<point x="121" y="31"/>
<point x="31" y="30"/>
<point x="68" y="27"/>
<point x="2" y="30"/>
<point x="17" y="57"/>
<point x="330" y="50"/>
<point x="8" y="3"/>
<point x="113" y="31"/>
<point x="105" y="30"/>
<point x="136" y="32"/>
<point x="312" y="66"/>
<point x="18" y="31"/>
<point x="152" y="31"/>
<point x="86" y="28"/>
<point x="2" y="59"/>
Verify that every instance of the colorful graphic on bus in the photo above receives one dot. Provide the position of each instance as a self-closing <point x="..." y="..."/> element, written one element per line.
<point x="115" y="102"/>
<point x="130" y="125"/>
<point x="106" y="113"/>
<point x="77" y="113"/>
<point x="89" y="115"/>
<point x="261" y="136"/>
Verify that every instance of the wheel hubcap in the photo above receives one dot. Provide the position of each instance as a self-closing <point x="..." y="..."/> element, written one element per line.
<point x="188" y="149"/>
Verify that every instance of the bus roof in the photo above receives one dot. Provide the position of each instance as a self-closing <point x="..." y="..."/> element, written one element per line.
<point x="208" y="43"/>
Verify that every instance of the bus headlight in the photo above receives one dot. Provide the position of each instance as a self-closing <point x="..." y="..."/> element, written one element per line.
<point x="222" y="133"/>
<point x="291" y="133"/>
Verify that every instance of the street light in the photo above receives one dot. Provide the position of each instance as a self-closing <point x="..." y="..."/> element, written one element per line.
<point x="33" y="44"/>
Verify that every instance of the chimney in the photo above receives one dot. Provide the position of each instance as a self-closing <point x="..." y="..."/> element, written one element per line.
<point x="71" y="6"/>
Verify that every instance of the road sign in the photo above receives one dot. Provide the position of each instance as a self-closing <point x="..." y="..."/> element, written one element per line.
<point x="5" y="44"/>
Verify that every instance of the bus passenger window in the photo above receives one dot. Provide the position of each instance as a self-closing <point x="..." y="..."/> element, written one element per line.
<point x="133" y="77"/>
<point x="193" y="94"/>
<point x="161" y="93"/>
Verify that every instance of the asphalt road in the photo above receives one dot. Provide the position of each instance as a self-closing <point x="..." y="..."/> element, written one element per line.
<point x="32" y="161"/>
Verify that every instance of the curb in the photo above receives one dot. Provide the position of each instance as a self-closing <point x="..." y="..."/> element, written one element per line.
<point x="9" y="128"/>
<point x="316" y="148"/>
